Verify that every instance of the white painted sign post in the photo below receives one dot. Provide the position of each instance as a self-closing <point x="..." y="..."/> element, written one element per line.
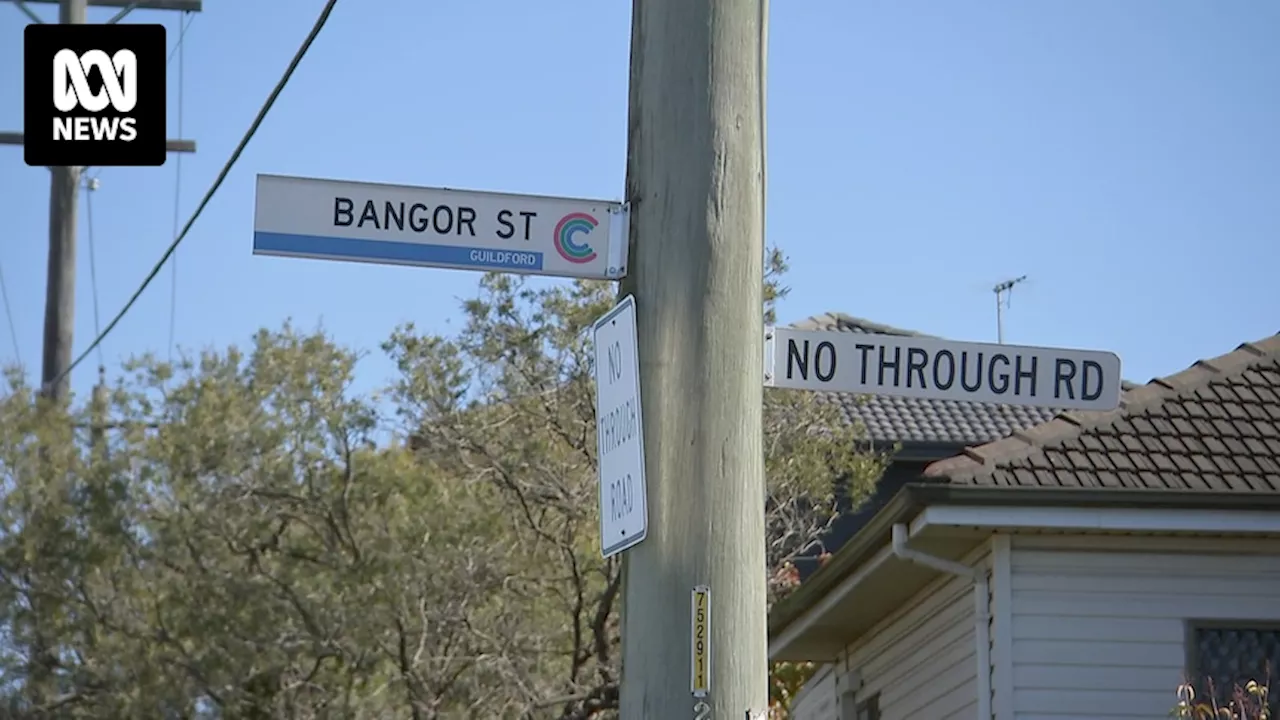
<point x="437" y="227"/>
<point x="624" y="514"/>
<point x="920" y="367"/>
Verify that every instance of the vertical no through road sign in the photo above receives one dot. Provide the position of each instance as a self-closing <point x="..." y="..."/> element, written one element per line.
<point x="624" y="520"/>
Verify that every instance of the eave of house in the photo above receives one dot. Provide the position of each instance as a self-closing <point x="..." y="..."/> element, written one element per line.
<point x="864" y="581"/>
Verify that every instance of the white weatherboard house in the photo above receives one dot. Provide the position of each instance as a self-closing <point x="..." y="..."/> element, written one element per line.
<point x="1080" y="569"/>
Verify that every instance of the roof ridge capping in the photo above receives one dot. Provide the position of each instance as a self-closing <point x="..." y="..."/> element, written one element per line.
<point x="827" y="319"/>
<point x="1205" y="371"/>
<point x="1022" y="443"/>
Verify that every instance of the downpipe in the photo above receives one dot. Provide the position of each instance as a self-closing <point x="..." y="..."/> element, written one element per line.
<point x="981" y="606"/>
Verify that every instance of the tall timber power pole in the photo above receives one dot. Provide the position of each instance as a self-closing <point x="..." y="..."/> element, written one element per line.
<point x="695" y="180"/>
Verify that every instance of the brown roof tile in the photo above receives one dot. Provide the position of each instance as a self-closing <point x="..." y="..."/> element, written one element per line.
<point x="1214" y="426"/>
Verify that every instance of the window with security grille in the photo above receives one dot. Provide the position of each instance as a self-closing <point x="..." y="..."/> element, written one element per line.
<point x="1232" y="655"/>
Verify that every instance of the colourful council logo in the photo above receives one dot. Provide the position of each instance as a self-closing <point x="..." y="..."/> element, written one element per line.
<point x="571" y="225"/>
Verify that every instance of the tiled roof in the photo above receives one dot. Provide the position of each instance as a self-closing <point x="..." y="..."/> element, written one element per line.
<point x="1214" y="426"/>
<point x="893" y="419"/>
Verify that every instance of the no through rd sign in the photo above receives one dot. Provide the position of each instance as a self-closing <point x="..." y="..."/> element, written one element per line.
<point x="624" y="518"/>
<point x="938" y="369"/>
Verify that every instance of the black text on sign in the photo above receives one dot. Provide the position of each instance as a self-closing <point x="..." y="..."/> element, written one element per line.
<point x="619" y="430"/>
<point x="932" y="368"/>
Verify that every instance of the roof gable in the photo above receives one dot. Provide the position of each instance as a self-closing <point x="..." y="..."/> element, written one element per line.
<point x="1212" y="427"/>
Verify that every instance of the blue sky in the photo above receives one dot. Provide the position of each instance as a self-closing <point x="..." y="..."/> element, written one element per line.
<point x="1124" y="155"/>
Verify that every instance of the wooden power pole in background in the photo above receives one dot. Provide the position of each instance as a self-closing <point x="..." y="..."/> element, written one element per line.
<point x="59" y="320"/>
<point x="695" y="173"/>
<point x="64" y="195"/>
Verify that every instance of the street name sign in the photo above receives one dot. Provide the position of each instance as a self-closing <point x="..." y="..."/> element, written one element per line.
<point x="624" y="514"/>
<point x="921" y="367"/>
<point x="439" y="227"/>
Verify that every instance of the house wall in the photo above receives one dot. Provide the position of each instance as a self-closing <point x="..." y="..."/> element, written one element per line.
<point x="818" y="700"/>
<point x="1099" y="624"/>
<point x="919" y="661"/>
<point x="1083" y="628"/>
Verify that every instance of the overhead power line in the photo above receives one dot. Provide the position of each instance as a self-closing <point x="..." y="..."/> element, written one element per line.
<point x="8" y="312"/>
<point x="217" y="183"/>
<point x="31" y="14"/>
<point x="177" y="196"/>
<point x="182" y="35"/>
<point x="90" y="185"/>
<point x="188" y="18"/>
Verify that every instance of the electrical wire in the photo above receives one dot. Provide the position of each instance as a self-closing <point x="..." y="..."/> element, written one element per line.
<point x="91" y="185"/>
<point x="8" y="313"/>
<point x="28" y="12"/>
<point x="189" y="17"/>
<point x="182" y="34"/>
<point x="177" y="197"/>
<point x="217" y="183"/>
<point x="93" y="262"/>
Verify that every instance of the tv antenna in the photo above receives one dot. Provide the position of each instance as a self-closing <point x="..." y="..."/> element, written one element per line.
<point x="1003" y="291"/>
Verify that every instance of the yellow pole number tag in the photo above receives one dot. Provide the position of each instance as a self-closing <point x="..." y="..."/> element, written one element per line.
<point x="701" y="637"/>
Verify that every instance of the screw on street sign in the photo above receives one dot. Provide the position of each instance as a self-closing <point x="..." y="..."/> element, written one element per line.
<point x="933" y="368"/>
<point x="438" y="227"/>
<point x="624" y="516"/>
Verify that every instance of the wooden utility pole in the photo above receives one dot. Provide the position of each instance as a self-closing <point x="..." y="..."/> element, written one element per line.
<point x="695" y="172"/>
<point x="41" y="688"/>
<point x="60" y="289"/>
<point x="64" y="194"/>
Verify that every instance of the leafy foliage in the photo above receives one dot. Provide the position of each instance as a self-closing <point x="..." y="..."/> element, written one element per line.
<point x="1250" y="701"/>
<point x="239" y="544"/>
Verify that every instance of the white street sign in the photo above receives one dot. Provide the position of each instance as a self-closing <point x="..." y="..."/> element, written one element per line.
<point x="921" y="367"/>
<point x="624" y="515"/>
<point x="437" y="227"/>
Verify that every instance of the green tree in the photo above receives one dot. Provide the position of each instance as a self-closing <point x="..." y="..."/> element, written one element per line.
<point x="510" y="401"/>
<point x="247" y="543"/>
